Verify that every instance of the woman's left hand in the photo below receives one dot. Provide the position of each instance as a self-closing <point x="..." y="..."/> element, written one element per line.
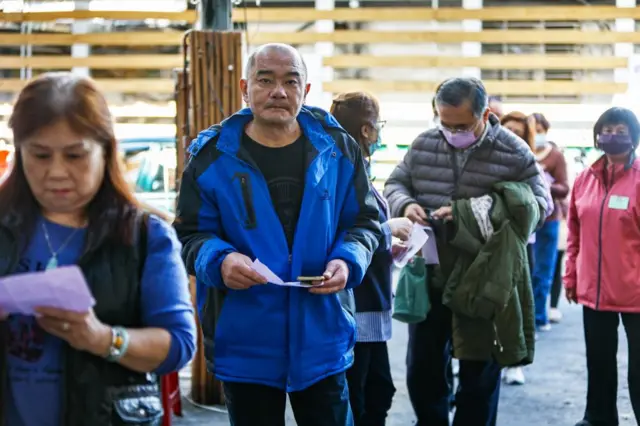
<point x="82" y="330"/>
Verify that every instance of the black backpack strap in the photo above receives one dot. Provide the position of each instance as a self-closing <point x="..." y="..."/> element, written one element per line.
<point x="143" y="240"/>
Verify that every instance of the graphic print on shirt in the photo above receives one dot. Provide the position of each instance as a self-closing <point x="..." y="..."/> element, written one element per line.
<point x="27" y="341"/>
<point x="286" y="195"/>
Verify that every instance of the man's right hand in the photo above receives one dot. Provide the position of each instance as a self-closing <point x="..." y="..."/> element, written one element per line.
<point x="237" y="273"/>
<point x="415" y="214"/>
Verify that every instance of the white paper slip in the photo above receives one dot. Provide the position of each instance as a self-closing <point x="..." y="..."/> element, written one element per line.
<point x="272" y="278"/>
<point x="417" y="239"/>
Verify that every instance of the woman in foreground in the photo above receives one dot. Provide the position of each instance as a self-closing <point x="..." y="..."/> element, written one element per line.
<point x="65" y="202"/>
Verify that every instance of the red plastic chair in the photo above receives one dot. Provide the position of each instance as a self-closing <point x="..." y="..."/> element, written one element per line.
<point x="171" y="398"/>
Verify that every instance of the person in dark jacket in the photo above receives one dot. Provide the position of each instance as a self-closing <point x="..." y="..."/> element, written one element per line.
<point x="371" y="386"/>
<point x="283" y="186"/>
<point x="66" y="202"/>
<point x="462" y="159"/>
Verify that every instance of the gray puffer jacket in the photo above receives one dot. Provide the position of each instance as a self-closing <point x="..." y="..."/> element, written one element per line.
<point x="433" y="173"/>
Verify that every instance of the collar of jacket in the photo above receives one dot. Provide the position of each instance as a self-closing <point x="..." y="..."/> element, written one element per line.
<point x="313" y="121"/>
<point x="598" y="167"/>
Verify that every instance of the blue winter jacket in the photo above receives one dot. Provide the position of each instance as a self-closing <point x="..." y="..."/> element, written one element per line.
<point x="278" y="336"/>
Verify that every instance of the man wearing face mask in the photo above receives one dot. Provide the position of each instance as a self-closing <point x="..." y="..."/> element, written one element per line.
<point x="462" y="159"/>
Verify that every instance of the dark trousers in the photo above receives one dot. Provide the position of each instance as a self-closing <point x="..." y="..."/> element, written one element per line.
<point x="546" y="252"/>
<point x="325" y="403"/>
<point x="371" y="387"/>
<point x="601" y="337"/>
<point x="556" y="286"/>
<point x="428" y="357"/>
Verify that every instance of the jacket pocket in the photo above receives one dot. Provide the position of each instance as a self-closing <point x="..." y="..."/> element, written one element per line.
<point x="139" y="405"/>
<point x="250" y="221"/>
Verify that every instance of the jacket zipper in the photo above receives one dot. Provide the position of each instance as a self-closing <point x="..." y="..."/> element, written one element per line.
<point x="607" y="188"/>
<point x="251" y="222"/>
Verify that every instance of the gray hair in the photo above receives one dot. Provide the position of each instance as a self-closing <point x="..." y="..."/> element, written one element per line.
<point x="274" y="47"/>
<point x="457" y="91"/>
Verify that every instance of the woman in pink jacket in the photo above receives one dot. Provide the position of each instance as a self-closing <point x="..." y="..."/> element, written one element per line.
<point x="603" y="262"/>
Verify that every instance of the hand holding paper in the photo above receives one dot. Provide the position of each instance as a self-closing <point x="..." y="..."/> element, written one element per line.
<point x="238" y="272"/>
<point x="82" y="330"/>
<point x="422" y="238"/>
<point x="417" y="239"/>
<point x="263" y="270"/>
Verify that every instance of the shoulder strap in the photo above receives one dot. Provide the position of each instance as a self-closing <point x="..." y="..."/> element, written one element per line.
<point x="143" y="239"/>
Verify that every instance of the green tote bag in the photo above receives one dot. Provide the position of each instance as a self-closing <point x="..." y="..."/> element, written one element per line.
<point x="412" y="304"/>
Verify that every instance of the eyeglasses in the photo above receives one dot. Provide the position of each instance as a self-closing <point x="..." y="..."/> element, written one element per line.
<point x="458" y="130"/>
<point x="380" y="124"/>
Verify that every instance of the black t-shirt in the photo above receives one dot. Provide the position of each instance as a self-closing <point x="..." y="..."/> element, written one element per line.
<point x="284" y="169"/>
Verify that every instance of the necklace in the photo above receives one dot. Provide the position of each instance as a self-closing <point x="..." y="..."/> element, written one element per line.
<point x="53" y="261"/>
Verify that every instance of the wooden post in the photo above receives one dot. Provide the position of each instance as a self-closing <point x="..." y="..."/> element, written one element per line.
<point x="210" y="95"/>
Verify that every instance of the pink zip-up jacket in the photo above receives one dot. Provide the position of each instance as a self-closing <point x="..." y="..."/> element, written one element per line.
<point x="603" y="247"/>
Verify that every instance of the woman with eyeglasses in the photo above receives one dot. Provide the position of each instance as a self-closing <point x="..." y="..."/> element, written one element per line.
<point x="370" y="383"/>
<point x="603" y="262"/>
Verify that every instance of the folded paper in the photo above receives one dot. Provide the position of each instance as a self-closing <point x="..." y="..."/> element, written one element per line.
<point x="417" y="239"/>
<point x="272" y="278"/>
<point x="61" y="288"/>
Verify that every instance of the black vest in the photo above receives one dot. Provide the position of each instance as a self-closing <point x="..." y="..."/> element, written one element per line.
<point x="97" y="392"/>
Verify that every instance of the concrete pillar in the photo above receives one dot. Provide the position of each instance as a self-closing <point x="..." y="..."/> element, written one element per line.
<point x="323" y="50"/>
<point x="81" y="27"/>
<point x="215" y="15"/>
<point x="621" y="75"/>
<point x="472" y="49"/>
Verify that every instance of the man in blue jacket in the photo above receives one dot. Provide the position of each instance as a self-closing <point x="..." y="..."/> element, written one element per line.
<point x="284" y="184"/>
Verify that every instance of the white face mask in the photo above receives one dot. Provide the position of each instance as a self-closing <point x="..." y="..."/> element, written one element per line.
<point x="541" y="140"/>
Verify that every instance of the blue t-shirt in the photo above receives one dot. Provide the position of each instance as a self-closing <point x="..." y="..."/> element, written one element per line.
<point x="34" y="360"/>
<point x="34" y="363"/>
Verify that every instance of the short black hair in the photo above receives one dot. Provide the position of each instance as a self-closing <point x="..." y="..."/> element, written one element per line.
<point x="457" y="91"/>
<point x="281" y="47"/>
<point x="618" y="115"/>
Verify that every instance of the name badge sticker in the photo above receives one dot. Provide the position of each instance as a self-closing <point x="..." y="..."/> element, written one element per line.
<point x="618" y="202"/>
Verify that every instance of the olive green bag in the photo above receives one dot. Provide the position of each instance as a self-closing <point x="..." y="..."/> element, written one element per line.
<point x="412" y="304"/>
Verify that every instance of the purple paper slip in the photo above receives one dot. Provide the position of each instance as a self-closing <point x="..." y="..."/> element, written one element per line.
<point x="430" y="249"/>
<point x="62" y="288"/>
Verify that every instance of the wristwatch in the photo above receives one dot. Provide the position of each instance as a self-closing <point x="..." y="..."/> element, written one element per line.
<point x="119" y="344"/>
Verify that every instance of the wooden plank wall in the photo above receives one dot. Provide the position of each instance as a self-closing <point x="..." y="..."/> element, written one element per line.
<point x="129" y="69"/>
<point x="149" y="39"/>
<point x="528" y="62"/>
<point x="206" y="95"/>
